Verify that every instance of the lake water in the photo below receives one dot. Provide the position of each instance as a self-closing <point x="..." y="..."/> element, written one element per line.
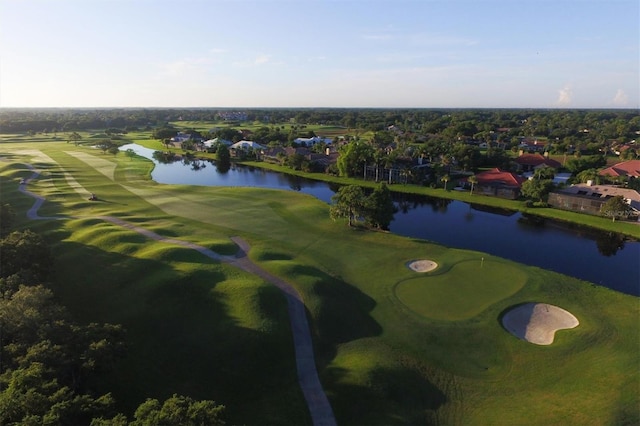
<point x="599" y="257"/>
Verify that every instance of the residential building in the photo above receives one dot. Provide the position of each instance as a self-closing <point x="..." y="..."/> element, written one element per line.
<point x="630" y="168"/>
<point x="497" y="183"/>
<point x="586" y="198"/>
<point x="530" y="162"/>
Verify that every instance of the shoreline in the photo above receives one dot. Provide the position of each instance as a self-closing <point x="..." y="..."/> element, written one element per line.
<point x="628" y="229"/>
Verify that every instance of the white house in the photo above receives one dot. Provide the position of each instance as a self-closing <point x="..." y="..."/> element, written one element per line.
<point x="312" y="141"/>
<point x="181" y="137"/>
<point x="246" y="145"/>
<point x="216" y="141"/>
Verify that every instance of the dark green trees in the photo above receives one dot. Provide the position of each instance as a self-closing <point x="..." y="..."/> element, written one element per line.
<point x="376" y="210"/>
<point x="223" y="158"/>
<point x="616" y="207"/>
<point x="349" y="202"/>
<point x="380" y="208"/>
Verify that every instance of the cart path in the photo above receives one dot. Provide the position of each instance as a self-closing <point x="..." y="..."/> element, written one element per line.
<point x="317" y="401"/>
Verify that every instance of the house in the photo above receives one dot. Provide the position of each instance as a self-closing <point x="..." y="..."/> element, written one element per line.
<point x="629" y="168"/>
<point x="534" y="145"/>
<point x="321" y="160"/>
<point x="246" y="145"/>
<point x="497" y="183"/>
<point x="216" y="141"/>
<point x="586" y="198"/>
<point x="312" y="141"/>
<point x="181" y="137"/>
<point x="531" y="162"/>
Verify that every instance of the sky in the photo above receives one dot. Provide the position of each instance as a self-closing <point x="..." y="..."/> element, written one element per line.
<point x="320" y="53"/>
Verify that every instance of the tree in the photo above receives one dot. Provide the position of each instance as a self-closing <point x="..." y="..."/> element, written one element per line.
<point x="473" y="180"/>
<point x="380" y="207"/>
<point x="536" y="188"/>
<point x="164" y="133"/>
<point x="615" y="207"/>
<point x="223" y="158"/>
<point x="588" y="175"/>
<point x="27" y="254"/>
<point x="130" y="153"/>
<point x="445" y="179"/>
<point x="46" y="359"/>
<point x="353" y="157"/>
<point x="104" y="145"/>
<point x="544" y="173"/>
<point x="178" y="411"/>
<point x="7" y="217"/>
<point x="350" y="201"/>
<point x="75" y="138"/>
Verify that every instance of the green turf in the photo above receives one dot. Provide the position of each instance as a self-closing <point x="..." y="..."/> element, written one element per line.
<point x="462" y="292"/>
<point x="211" y="331"/>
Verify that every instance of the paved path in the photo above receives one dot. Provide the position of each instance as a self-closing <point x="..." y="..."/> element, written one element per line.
<point x="317" y="401"/>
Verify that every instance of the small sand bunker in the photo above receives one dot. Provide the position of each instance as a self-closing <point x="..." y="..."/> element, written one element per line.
<point x="423" y="265"/>
<point x="538" y="322"/>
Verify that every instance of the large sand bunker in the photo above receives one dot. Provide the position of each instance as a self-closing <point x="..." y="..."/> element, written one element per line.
<point x="538" y="322"/>
<point x="423" y="265"/>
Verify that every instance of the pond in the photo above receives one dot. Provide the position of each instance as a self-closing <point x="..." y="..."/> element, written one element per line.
<point x="600" y="257"/>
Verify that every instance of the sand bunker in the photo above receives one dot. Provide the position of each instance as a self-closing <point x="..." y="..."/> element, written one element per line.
<point x="423" y="265"/>
<point x="538" y="322"/>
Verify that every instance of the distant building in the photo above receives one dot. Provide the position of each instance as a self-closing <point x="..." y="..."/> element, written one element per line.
<point x="233" y="115"/>
<point x="533" y="145"/>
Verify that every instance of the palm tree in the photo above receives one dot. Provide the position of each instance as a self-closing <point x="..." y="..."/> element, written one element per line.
<point x="445" y="179"/>
<point x="473" y="180"/>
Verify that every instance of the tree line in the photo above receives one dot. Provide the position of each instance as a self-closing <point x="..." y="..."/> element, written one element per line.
<point x="48" y="360"/>
<point x="582" y="126"/>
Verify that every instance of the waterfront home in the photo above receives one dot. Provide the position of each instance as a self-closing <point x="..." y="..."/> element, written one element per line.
<point x="497" y="183"/>
<point x="586" y="198"/>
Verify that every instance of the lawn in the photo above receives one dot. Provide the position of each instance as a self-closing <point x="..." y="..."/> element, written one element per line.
<point x="392" y="346"/>
<point x="445" y="296"/>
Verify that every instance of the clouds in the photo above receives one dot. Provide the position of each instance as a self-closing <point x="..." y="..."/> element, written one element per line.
<point x="620" y="99"/>
<point x="262" y="59"/>
<point x="565" y="97"/>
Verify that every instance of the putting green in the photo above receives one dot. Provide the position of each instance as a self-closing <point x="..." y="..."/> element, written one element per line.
<point x="464" y="291"/>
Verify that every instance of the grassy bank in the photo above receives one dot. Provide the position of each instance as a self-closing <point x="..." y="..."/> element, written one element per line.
<point x="393" y="346"/>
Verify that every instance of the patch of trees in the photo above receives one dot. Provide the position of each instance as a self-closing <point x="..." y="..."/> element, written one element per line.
<point x="223" y="158"/>
<point x="165" y="132"/>
<point x="48" y="361"/>
<point x="375" y="210"/>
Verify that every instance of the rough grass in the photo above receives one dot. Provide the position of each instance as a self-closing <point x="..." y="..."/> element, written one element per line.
<point x="209" y="330"/>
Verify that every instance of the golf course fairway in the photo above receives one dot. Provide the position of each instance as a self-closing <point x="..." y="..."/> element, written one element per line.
<point x="392" y="346"/>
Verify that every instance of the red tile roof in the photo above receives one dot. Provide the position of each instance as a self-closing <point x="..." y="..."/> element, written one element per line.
<point x="496" y="176"/>
<point x="536" y="160"/>
<point x="626" y="168"/>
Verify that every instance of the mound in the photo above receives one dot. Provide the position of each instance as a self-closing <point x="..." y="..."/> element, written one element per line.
<point x="538" y="322"/>
<point x="423" y="265"/>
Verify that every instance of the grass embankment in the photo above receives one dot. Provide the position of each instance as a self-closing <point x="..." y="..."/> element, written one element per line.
<point x="394" y="346"/>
